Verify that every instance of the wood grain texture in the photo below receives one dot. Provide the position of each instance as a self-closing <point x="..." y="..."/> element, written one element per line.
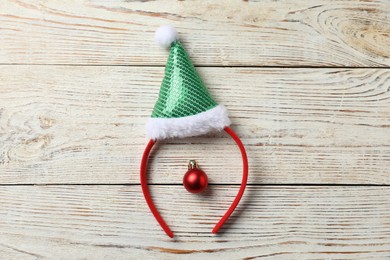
<point x="284" y="222"/>
<point x="317" y="135"/>
<point x="67" y="124"/>
<point x="262" y="33"/>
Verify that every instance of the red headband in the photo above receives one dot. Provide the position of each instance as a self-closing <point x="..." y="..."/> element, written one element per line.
<point x="221" y="222"/>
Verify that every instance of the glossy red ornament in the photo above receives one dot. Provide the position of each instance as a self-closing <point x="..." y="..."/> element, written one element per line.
<point x="195" y="180"/>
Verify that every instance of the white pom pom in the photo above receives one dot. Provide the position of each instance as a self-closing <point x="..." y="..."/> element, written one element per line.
<point x="165" y="35"/>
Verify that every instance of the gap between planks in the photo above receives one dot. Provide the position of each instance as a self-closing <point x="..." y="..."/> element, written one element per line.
<point x="197" y="66"/>
<point x="210" y="184"/>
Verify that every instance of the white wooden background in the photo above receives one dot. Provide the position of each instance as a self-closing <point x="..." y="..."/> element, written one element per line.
<point x="307" y="84"/>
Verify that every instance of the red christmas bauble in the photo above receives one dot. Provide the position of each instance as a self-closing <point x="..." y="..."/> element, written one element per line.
<point x="195" y="180"/>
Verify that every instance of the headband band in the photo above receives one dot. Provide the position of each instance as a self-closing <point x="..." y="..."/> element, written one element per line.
<point x="149" y="200"/>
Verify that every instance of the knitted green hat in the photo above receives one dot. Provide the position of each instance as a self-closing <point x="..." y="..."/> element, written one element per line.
<point x="184" y="107"/>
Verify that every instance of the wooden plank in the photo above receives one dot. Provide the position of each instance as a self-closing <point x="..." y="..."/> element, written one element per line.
<point x="261" y="33"/>
<point x="67" y="124"/>
<point x="285" y="222"/>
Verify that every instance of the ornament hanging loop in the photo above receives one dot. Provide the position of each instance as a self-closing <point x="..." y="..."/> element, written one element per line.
<point x="192" y="164"/>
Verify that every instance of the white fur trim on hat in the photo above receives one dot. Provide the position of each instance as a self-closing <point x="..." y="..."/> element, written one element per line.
<point x="215" y="119"/>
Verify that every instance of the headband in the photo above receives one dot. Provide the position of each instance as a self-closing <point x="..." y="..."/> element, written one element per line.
<point x="185" y="108"/>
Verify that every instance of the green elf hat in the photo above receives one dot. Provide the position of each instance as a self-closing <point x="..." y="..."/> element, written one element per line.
<point x="184" y="107"/>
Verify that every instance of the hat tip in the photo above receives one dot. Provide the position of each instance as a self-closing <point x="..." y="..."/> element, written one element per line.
<point x="165" y="35"/>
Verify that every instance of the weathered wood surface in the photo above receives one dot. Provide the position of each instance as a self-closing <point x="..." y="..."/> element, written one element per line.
<point x="73" y="125"/>
<point x="286" y="222"/>
<point x="262" y="33"/>
<point x="67" y="124"/>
